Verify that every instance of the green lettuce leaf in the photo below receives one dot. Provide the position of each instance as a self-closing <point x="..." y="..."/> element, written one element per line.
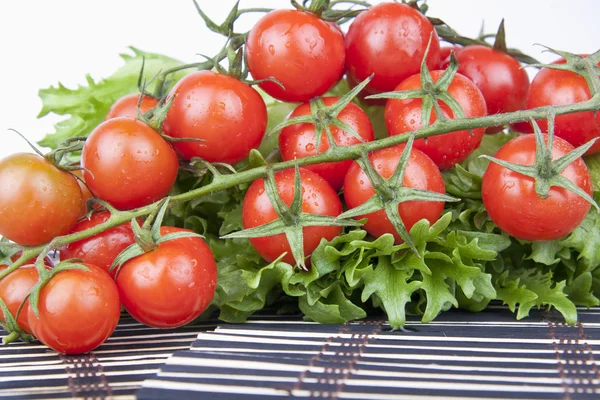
<point x="87" y="106"/>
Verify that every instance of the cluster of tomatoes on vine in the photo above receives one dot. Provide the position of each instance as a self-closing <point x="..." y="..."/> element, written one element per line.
<point x="166" y="276"/>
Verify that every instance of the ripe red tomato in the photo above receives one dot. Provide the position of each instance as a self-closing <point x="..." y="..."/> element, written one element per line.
<point x="298" y="141"/>
<point x="101" y="249"/>
<point x="127" y="106"/>
<point x="554" y="87"/>
<point x="512" y="203"/>
<point x="304" y="53"/>
<point x="318" y="197"/>
<point x="14" y="288"/>
<point x="78" y="309"/>
<point x="389" y="40"/>
<point x="421" y="173"/>
<point x="499" y="77"/>
<point x="37" y="200"/>
<point x="171" y="285"/>
<point x="448" y="149"/>
<point x="128" y="164"/>
<point x="228" y="114"/>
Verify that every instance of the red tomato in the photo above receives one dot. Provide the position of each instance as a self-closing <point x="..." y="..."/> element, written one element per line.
<point x="128" y="164"/>
<point x="389" y="40"/>
<point x="298" y="141"/>
<point x="78" y="309"/>
<point x="554" y="87"/>
<point x="37" y="200"/>
<point x="127" y="106"/>
<point x="498" y="76"/>
<point x="14" y="288"/>
<point x="421" y="173"/>
<point x="228" y="114"/>
<point x="448" y="149"/>
<point x="171" y="285"/>
<point x="101" y="249"/>
<point x="318" y="197"/>
<point x="304" y="53"/>
<point x="512" y="203"/>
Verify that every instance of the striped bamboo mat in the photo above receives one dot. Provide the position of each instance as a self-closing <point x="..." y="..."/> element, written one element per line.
<point x="461" y="355"/>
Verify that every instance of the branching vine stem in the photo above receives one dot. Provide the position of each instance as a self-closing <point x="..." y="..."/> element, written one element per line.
<point x="226" y="181"/>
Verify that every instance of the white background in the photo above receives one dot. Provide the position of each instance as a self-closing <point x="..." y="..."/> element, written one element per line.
<point x="44" y="42"/>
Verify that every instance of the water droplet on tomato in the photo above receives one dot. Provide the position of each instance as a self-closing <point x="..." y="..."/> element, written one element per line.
<point x="221" y="105"/>
<point x="316" y="204"/>
<point x="261" y="191"/>
<point x="362" y="182"/>
<point x="272" y="49"/>
<point x="287" y="45"/>
<point x="310" y="147"/>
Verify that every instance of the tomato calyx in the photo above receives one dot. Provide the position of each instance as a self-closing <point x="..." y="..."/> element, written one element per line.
<point x="291" y="219"/>
<point x="390" y="193"/>
<point x="148" y="237"/>
<point x="324" y="9"/>
<point x="431" y="93"/>
<point x="322" y="117"/>
<point x="586" y="67"/>
<point x="546" y="172"/>
<point x="10" y="325"/>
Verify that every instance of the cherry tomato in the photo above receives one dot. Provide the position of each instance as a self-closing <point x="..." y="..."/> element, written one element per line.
<point x="554" y="87"/>
<point x="512" y="203"/>
<point x="127" y="106"/>
<point x="128" y="164"/>
<point x="228" y="114"/>
<point x="171" y="285"/>
<point x="304" y="53"/>
<point x="498" y="76"/>
<point x="14" y="288"/>
<point x="298" y="141"/>
<point x="421" y="173"/>
<point x="101" y="249"/>
<point x="318" y="197"/>
<point x="37" y="200"/>
<point x="389" y="40"/>
<point x="448" y="149"/>
<point x="78" y="309"/>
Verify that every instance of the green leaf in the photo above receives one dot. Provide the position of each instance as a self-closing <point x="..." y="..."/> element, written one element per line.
<point x="88" y="105"/>
<point x="586" y="238"/>
<point x="593" y="164"/>
<point x="334" y="309"/>
<point x="391" y="285"/>
<point x="532" y="287"/>
<point x="580" y="291"/>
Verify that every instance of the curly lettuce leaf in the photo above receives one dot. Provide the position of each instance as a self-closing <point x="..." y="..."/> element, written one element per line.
<point x="88" y="105"/>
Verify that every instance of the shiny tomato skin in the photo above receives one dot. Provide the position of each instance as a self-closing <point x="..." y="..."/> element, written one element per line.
<point x="127" y="106"/>
<point x="228" y="114"/>
<point x="37" y="200"/>
<point x="128" y="164"/>
<point x="171" y="285"/>
<point x="499" y="77"/>
<point x="512" y="203"/>
<point x="14" y="288"/>
<point x="389" y="40"/>
<point x="318" y="197"/>
<point x="451" y="148"/>
<point x="421" y="173"/>
<point x="304" y="53"/>
<point x="79" y="310"/>
<point x="101" y="249"/>
<point x="554" y="87"/>
<point x="298" y="141"/>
